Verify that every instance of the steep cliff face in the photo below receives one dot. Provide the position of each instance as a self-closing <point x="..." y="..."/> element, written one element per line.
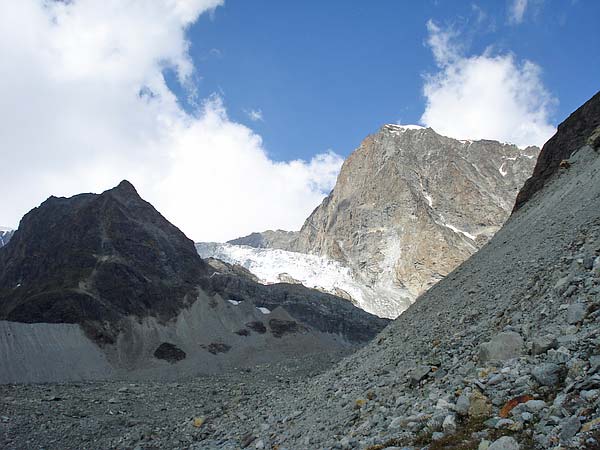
<point x="408" y="207"/>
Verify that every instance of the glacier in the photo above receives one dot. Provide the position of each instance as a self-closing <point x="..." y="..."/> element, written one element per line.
<point x="313" y="271"/>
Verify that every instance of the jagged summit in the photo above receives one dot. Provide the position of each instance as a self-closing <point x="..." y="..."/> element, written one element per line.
<point x="96" y="257"/>
<point x="398" y="127"/>
<point x="409" y="206"/>
<point x="125" y="190"/>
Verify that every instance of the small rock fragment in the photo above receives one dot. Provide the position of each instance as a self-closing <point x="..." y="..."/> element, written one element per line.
<point x="542" y="344"/>
<point x="198" y="422"/>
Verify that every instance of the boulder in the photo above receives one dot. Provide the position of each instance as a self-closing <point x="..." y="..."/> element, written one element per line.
<point x="547" y="374"/>
<point x="503" y="346"/>
<point x="505" y="443"/>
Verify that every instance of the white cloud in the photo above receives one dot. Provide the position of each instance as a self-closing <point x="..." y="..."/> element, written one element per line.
<point x="517" y="10"/>
<point x="255" y="115"/>
<point x="485" y="96"/>
<point x="84" y="105"/>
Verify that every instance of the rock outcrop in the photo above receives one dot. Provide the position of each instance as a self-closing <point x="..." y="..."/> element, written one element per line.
<point x="408" y="207"/>
<point x="579" y="129"/>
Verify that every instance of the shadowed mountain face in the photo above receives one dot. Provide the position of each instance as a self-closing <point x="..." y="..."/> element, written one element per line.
<point x="581" y="128"/>
<point x="96" y="257"/>
<point x="99" y="259"/>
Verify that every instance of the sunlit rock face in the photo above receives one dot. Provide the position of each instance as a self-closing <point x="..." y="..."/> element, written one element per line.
<point x="408" y="207"/>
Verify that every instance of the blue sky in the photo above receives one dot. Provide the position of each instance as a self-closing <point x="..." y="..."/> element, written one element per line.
<point x="325" y="74"/>
<point x="234" y="116"/>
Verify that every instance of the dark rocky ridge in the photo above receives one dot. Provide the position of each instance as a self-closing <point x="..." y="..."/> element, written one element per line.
<point x="96" y="259"/>
<point x="322" y="311"/>
<point x="580" y="127"/>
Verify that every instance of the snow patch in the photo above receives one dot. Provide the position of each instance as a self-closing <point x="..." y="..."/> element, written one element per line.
<point x="458" y="230"/>
<point x="428" y="198"/>
<point x="501" y="170"/>
<point x="466" y="234"/>
<point x="397" y="129"/>
<point x="234" y="302"/>
<point x="263" y="310"/>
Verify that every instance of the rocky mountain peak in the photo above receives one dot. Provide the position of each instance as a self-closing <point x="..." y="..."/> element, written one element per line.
<point x="125" y="191"/>
<point x="96" y="257"/>
<point x="409" y="206"/>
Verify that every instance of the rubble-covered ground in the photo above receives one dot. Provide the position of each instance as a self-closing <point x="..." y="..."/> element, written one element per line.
<point x="201" y="413"/>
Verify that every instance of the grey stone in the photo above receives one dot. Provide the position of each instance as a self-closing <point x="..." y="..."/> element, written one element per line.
<point x="559" y="356"/>
<point x="462" y="404"/>
<point x="505" y="345"/>
<point x="547" y="374"/>
<point x="569" y="428"/>
<point x="576" y="313"/>
<point x="395" y="423"/>
<point x="418" y="374"/>
<point x="504" y="423"/>
<point x="449" y="424"/>
<point x="436" y="436"/>
<point x="542" y="344"/>
<point x="505" y="443"/>
<point x="535" y="406"/>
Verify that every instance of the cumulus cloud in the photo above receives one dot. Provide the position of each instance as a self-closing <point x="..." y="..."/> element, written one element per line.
<point x="85" y="104"/>
<point x="517" y="10"/>
<point x="487" y="96"/>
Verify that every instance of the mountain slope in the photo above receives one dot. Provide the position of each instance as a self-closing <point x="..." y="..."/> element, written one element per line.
<point x="145" y="300"/>
<point x="518" y="321"/>
<point x="408" y="207"/>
